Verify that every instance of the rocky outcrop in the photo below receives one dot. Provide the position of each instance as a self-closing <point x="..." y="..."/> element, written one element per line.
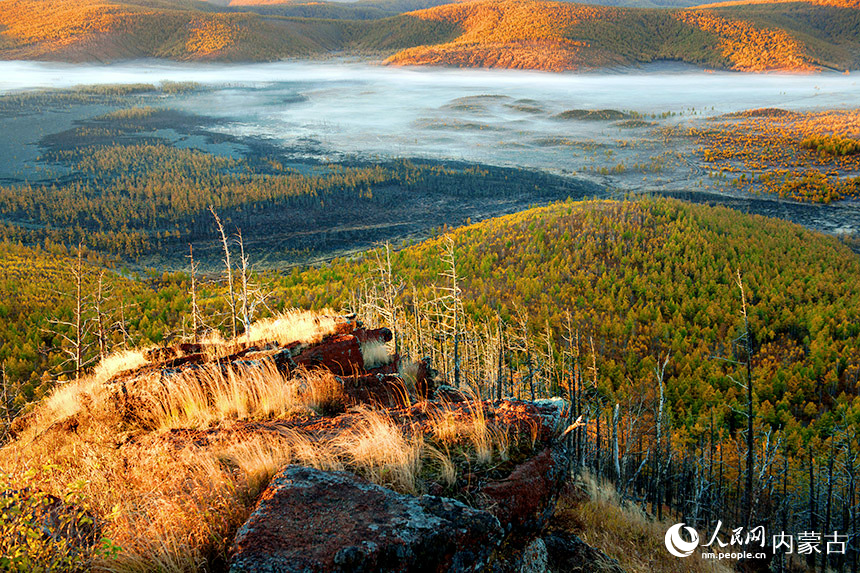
<point x="341" y="354"/>
<point x="488" y="516"/>
<point x="311" y="520"/>
<point x="524" y="501"/>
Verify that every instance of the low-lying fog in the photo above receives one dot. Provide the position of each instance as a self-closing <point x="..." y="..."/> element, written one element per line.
<point x="502" y="117"/>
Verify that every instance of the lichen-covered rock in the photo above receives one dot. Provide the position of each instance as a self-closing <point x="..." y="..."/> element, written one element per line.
<point x="310" y="520"/>
<point x="525" y="500"/>
<point x="535" y="558"/>
<point x="547" y="414"/>
<point x="446" y="393"/>
<point x="567" y="553"/>
<point x="425" y="379"/>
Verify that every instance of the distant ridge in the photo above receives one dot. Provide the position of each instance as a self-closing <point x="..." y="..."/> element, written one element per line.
<point x="836" y="3"/>
<point x="747" y="35"/>
<point x="560" y="36"/>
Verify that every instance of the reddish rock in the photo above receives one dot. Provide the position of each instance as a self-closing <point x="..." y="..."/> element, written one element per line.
<point x="381" y="390"/>
<point x="392" y="367"/>
<point x="182" y="360"/>
<point x="309" y="520"/>
<point x="425" y="379"/>
<point x="341" y="354"/>
<point x="525" y="500"/>
<point x="447" y="393"/>
<point x="160" y="354"/>
<point x="379" y="335"/>
<point x="191" y="348"/>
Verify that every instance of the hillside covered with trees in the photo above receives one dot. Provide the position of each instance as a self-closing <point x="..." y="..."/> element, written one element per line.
<point x="644" y="314"/>
<point x="530" y="34"/>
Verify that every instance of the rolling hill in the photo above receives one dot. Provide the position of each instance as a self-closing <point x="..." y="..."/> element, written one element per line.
<point x="562" y="36"/>
<point x="528" y="34"/>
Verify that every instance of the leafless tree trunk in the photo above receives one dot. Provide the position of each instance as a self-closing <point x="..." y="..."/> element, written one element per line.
<point x="390" y="290"/>
<point x="231" y="293"/>
<point x="453" y="302"/>
<point x="615" y="455"/>
<point x="75" y="344"/>
<point x="101" y="331"/>
<point x="660" y="372"/>
<point x="749" y="497"/>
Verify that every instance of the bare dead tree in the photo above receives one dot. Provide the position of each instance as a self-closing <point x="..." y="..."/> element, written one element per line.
<point x="75" y="333"/>
<point x="101" y="329"/>
<point x="749" y="498"/>
<point x="391" y="288"/>
<point x="10" y="409"/>
<point x="252" y="294"/>
<point x="452" y="302"/>
<point x="523" y="343"/>
<point x="228" y="271"/>
<point x="120" y="325"/>
<point x="616" y="460"/>
<point x="660" y="374"/>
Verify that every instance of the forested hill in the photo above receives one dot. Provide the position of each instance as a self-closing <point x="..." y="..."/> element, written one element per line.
<point x="643" y="279"/>
<point x="639" y="278"/>
<point x="531" y="34"/>
<point x="563" y="36"/>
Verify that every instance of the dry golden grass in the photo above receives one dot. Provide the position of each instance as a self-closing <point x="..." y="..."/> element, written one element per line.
<point x="376" y="353"/>
<point x="206" y="396"/>
<point x="624" y="532"/>
<point x="487" y="442"/>
<point x="174" y="507"/>
<point x="294" y="326"/>
<point x="171" y="463"/>
<point x="118" y="362"/>
<point x="383" y="452"/>
<point x="408" y="371"/>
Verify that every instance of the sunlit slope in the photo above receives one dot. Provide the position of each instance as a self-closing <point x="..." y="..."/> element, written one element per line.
<point x="646" y="277"/>
<point x="562" y="36"/>
<point x="828" y="30"/>
<point x="103" y="30"/>
<point x="525" y="34"/>
<point x="83" y="30"/>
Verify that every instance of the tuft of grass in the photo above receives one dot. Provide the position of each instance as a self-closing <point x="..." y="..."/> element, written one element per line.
<point x="408" y="372"/>
<point x="623" y="531"/>
<point x="259" y="458"/>
<point x="487" y="442"/>
<point x="118" y="362"/>
<point x="383" y="452"/>
<point x="376" y="353"/>
<point x="202" y="397"/>
<point x="294" y="326"/>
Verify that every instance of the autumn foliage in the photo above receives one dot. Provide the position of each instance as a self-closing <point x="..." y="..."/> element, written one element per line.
<point x="565" y="36"/>
<point x="813" y="156"/>
<point x="749" y="48"/>
<point x="525" y="34"/>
